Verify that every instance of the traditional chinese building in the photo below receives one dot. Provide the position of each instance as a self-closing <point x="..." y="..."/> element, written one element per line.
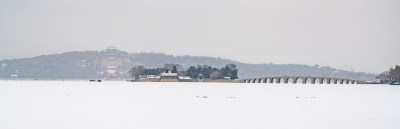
<point x="169" y="77"/>
<point x="111" y="63"/>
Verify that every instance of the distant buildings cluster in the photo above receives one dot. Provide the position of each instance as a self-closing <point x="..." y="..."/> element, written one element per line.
<point x="166" y="77"/>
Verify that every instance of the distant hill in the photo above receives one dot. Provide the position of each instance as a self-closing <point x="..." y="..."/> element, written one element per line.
<point x="87" y="64"/>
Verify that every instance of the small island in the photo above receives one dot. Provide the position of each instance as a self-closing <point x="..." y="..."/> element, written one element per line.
<point x="176" y="73"/>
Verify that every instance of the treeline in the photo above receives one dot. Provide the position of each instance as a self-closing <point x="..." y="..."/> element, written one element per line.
<point x="209" y="72"/>
<point x="196" y="72"/>
<point x="389" y="76"/>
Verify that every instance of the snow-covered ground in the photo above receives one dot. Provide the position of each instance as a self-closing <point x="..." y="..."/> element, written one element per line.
<point x="127" y="105"/>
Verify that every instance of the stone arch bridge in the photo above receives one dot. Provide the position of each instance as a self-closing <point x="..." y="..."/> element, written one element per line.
<point x="303" y="79"/>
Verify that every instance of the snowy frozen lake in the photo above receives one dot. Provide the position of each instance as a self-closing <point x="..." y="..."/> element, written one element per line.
<point x="127" y="105"/>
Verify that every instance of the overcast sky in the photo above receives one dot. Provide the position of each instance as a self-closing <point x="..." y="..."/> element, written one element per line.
<point x="358" y="35"/>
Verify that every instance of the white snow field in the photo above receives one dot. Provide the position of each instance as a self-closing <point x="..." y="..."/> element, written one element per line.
<point x="127" y="105"/>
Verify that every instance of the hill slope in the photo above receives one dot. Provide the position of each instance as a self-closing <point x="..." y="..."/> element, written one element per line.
<point x="87" y="64"/>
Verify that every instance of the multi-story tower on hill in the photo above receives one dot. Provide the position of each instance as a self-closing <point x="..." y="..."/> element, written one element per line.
<point x="111" y="63"/>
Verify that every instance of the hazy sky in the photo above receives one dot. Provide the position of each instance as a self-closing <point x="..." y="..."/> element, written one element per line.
<point x="358" y="35"/>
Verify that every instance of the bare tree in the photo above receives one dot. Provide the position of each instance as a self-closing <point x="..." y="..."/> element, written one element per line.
<point x="391" y="75"/>
<point x="396" y="72"/>
<point x="136" y="71"/>
<point x="384" y="77"/>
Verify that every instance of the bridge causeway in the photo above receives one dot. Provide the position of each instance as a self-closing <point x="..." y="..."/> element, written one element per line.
<point x="304" y="80"/>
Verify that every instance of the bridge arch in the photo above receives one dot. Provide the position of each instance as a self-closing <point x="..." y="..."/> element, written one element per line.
<point x="296" y="80"/>
<point x="329" y="80"/>
<point x="289" y="80"/>
<point x="249" y="81"/>
<point x="303" y="80"/>
<point x="271" y="80"/>
<point x="275" y="80"/>
<point x="260" y="80"/>
<point x="332" y="81"/>
<point x="342" y="81"/>
<point x="278" y="80"/>
<point x="308" y="80"/>
<point x="323" y="81"/>
<point x="313" y="79"/>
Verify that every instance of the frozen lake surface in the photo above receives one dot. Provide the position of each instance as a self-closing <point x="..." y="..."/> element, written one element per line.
<point x="126" y="105"/>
